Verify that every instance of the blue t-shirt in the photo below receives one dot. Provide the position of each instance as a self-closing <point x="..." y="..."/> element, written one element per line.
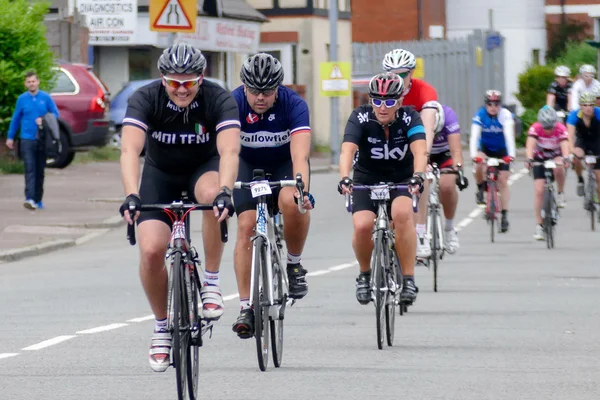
<point x="576" y="115"/>
<point x="266" y="138"/>
<point x="492" y="132"/>
<point x="30" y="107"/>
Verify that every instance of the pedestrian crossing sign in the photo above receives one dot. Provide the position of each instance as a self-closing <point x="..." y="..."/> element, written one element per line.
<point x="336" y="79"/>
<point x="173" y="15"/>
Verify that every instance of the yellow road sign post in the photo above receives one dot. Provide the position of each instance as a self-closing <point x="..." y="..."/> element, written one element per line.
<point x="336" y="79"/>
<point x="173" y="15"/>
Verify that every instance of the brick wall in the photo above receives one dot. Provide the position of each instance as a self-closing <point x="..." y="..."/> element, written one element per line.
<point x="390" y="20"/>
<point x="68" y="40"/>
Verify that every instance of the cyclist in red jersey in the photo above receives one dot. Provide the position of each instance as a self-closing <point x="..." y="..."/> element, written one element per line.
<point x="416" y="94"/>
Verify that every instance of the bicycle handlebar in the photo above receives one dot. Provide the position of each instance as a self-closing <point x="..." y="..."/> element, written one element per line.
<point x="391" y="187"/>
<point x="176" y="207"/>
<point x="450" y="170"/>
<point x="297" y="183"/>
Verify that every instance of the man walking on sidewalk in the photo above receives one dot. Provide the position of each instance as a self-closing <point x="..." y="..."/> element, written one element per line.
<point x="30" y="110"/>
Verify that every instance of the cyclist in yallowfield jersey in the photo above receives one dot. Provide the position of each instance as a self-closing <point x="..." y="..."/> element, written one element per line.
<point x="547" y="140"/>
<point x="417" y="93"/>
<point x="493" y="135"/>
<point x="275" y="137"/>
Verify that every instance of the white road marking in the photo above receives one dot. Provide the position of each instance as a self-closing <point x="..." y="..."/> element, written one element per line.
<point x="7" y="355"/>
<point x="319" y="272"/>
<point x="103" y="328"/>
<point x="142" y="319"/>
<point x="49" y="342"/>
<point x="343" y="266"/>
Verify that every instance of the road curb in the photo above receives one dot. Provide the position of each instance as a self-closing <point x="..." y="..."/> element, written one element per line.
<point x="34" y="250"/>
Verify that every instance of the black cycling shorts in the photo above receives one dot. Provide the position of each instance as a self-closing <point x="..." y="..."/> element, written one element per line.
<point x="496" y="154"/>
<point x="443" y="160"/>
<point x="590" y="148"/>
<point x="361" y="200"/>
<point x="242" y="198"/>
<point x="539" y="170"/>
<point x="160" y="187"/>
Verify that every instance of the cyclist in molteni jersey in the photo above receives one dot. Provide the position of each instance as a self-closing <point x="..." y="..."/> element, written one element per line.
<point x="493" y="135"/>
<point x="547" y="140"/>
<point x="390" y="140"/>
<point x="418" y="94"/>
<point x="446" y="152"/>
<point x="193" y="139"/>
<point x="275" y="137"/>
<point x="583" y="126"/>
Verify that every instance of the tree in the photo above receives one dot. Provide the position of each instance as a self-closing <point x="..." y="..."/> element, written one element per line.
<point x="562" y="33"/>
<point x="23" y="47"/>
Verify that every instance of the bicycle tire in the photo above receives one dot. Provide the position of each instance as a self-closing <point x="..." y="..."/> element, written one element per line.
<point x="491" y="208"/>
<point x="392" y="297"/>
<point x="399" y="280"/>
<point x="434" y="246"/>
<point x="548" y="226"/>
<point x="377" y="274"/>
<point x="180" y="336"/>
<point x="193" y="365"/>
<point x="280" y="300"/>
<point x="261" y="312"/>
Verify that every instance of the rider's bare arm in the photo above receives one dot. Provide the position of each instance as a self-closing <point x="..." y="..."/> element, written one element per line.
<point x="300" y="151"/>
<point x="228" y="146"/>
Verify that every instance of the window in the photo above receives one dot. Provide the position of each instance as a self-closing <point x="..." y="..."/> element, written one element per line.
<point x="64" y="84"/>
<point x="535" y="56"/>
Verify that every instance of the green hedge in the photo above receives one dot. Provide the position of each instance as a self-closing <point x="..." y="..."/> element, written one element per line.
<point x="23" y="47"/>
<point x="533" y="85"/>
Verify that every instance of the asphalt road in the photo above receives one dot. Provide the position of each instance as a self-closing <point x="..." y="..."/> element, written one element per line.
<point x="512" y="320"/>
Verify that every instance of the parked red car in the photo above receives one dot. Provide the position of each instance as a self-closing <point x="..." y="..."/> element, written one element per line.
<point x="83" y="103"/>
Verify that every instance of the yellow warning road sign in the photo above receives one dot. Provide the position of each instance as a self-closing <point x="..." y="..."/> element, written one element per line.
<point x="173" y="15"/>
<point x="336" y="78"/>
<point x="419" y="69"/>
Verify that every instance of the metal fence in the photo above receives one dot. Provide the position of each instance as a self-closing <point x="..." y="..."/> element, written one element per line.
<point x="461" y="70"/>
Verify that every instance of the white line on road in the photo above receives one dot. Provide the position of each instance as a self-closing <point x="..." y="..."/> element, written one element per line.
<point x="344" y="266"/>
<point x="319" y="272"/>
<point x="103" y="328"/>
<point x="7" y="355"/>
<point x="142" y="319"/>
<point x="49" y="342"/>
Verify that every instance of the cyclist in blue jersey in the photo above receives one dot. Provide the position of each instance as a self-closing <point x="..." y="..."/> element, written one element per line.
<point x="493" y="135"/>
<point x="275" y="137"/>
<point x="583" y="126"/>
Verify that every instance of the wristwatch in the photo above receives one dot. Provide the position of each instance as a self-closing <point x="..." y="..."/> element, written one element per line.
<point x="226" y="190"/>
<point x="420" y="175"/>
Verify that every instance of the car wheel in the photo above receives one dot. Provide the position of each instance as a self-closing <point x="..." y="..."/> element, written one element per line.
<point x="65" y="153"/>
<point x="115" y="139"/>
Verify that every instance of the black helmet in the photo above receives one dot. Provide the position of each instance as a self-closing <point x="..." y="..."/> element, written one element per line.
<point x="262" y="71"/>
<point x="181" y="58"/>
<point x="386" y="85"/>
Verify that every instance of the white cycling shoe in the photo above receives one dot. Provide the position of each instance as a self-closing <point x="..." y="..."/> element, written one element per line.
<point x="160" y="351"/>
<point x="423" y="246"/>
<point x="451" y="243"/>
<point x="212" y="301"/>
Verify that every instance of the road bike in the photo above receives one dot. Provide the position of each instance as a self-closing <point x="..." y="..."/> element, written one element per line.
<point x="492" y="200"/>
<point x="185" y="323"/>
<point x="590" y="198"/>
<point x="386" y="274"/>
<point x="268" y="280"/>
<point x="550" y="212"/>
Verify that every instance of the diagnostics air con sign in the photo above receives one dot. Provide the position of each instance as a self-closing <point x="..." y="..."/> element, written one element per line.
<point x="111" y="22"/>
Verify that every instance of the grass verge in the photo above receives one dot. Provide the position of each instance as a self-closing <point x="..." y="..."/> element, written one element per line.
<point x="106" y="153"/>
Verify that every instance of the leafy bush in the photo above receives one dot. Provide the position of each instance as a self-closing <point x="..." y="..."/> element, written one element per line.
<point x="23" y="47"/>
<point x="533" y="86"/>
<point x="528" y="118"/>
<point x="575" y="55"/>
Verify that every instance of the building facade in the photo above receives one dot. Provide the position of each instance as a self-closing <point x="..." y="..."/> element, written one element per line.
<point x="585" y="11"/>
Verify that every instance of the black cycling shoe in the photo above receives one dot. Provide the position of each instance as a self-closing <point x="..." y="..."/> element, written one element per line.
<point x="504" y="224"/>
<point x="297" y="280"/>
<point x="363" y="289"/>
<point x="409" y="292"/>
<point x="479" y="197"/>
<point x="244" y="325"/>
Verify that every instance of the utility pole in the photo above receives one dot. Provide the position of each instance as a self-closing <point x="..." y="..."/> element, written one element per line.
<point x="335" y="137"/>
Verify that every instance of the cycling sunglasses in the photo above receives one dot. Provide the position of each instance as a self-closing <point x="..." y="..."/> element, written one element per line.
<point x="176" y="84"/>
<point x="402" y="74"/>
<point x="492" y="103"/>
<point x="389" y="103"/>
<point x="256" y="92"/>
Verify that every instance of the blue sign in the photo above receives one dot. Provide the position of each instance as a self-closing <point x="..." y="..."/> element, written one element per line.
<point x="494" y="41"/>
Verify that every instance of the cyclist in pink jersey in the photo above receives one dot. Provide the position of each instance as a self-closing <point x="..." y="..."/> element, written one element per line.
<point x="547" y="139"/>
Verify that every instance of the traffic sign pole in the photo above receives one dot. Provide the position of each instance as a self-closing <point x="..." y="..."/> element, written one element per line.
<point x="334" y="141"/>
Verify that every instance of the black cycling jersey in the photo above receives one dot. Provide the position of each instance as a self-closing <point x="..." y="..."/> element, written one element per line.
<point x="561" y="94"/>
<point x="181" y="139"/>
<point x="376" y="155"/>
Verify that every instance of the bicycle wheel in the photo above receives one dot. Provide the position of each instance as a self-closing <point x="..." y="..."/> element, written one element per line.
<point x="280" y="300"/>
<point x="180" y="327"/>
<point x="548" y="225"/>
<point x="591" y="203"/>
<point x="392" y="297"/>
<point x="193" y="364"/>
<point x="260" y="300"/>
<point x="491" y="207"/>
<point x="434" y="246"/>
<point x="378" y="285"/>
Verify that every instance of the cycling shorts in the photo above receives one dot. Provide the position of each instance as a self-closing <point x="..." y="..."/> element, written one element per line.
<point x="496" y="154"/>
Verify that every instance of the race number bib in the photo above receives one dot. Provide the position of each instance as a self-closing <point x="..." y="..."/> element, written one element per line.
<point x="380" y="193"/>
<point x="260" y="188"/>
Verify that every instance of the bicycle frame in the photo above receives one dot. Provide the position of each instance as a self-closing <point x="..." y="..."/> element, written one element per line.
<point x="591" y="188"/>
<point x="549" y="209"/>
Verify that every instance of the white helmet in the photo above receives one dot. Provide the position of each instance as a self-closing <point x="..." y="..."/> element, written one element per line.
<point x="399" y="59"/>
<point x="587" y="69"/>
<point x="562" y="71"/>
<point x="440" y="116"/>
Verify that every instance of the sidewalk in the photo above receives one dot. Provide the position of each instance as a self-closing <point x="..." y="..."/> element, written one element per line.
<point x="81" y="202"/>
